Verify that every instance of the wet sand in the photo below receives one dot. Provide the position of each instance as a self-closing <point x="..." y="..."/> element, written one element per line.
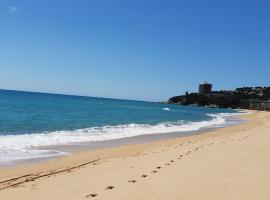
<point x="228" y="163"/>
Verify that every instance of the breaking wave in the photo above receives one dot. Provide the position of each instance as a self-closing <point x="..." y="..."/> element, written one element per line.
<point x="22" y="147"/>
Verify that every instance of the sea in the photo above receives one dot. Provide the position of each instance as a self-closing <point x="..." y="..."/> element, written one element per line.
<point x="33" y="124"/>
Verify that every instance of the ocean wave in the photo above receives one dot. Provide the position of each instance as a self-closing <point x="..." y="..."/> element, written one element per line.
<point x="167" y="109"/>
<point x="18" y="147"/>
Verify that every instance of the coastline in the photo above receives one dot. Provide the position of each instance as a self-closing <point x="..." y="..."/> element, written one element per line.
<point x="126" y="159"/>
<point x="219" y="120"/>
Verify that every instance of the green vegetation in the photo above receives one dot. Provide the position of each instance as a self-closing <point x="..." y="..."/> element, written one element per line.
<point x="239" y="98"/>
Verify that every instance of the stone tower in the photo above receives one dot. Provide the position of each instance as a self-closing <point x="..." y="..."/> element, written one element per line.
<point x="205" y="88"/>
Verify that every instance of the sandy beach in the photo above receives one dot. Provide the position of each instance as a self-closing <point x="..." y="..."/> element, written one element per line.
<point x="228" y="163"/>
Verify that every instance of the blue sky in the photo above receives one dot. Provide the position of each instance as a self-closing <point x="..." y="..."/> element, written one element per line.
<point x="133" y="49"/>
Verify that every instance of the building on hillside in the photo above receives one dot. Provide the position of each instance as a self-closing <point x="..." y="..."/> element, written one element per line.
<point x="205" y="88"/>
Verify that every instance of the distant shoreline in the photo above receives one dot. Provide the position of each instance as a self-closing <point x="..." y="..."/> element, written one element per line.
<point x="253" y="98"/>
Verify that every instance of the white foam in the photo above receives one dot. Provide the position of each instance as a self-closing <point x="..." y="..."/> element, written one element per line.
<point x="167" y="109"/>
<point x="7" y="157"/>
<point x="20" y="147"/>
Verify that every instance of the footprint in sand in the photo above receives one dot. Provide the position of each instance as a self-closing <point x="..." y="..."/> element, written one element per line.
<point x="132" y="181"/>
<point x="34" y="186"/>
<point x="172" y="161"/>
<point x="14" y="186"/>
<point x="109" y="187"/>
<point x="91" y="195"/>
<point x="144" y="176"/>
<point x="154" y="171"/>
<point x="158" y="167"/>
<point x="167" y="163"/>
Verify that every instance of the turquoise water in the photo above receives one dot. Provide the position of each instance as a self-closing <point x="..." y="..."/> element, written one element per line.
<point x="31" y="120"/>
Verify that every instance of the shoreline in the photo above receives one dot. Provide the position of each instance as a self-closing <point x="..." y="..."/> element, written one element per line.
<point x="94" y="163"/>
<point x="142" y="142"/>
<point x="69" y="149"/>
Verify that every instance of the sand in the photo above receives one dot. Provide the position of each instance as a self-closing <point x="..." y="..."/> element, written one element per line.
<point x="228" y="163"/>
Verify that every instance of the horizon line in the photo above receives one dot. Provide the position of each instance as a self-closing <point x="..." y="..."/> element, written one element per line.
<point x="75" y="95"/>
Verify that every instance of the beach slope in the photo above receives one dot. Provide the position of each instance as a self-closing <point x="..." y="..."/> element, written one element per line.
<point x="228" y="163"/>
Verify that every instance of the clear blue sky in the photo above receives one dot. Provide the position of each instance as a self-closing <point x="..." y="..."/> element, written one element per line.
<point x="133" y="49"/>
